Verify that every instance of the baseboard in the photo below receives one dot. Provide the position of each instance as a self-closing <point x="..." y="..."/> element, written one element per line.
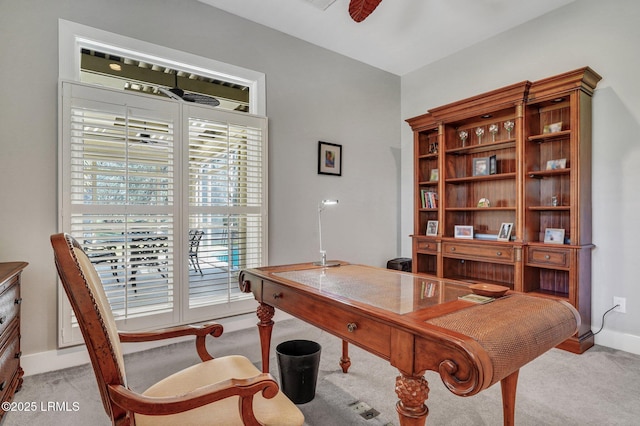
<point x="621" y="341"/>
<point x="58" y="359"/>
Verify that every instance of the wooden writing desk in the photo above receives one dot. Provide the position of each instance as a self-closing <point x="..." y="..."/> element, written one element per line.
<point x="417" y="323"/>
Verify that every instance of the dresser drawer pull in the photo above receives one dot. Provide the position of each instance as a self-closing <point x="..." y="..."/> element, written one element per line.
<point x="453" y="249"/>
<point x="498" y="253"/>
<point x="18" y="301"/>
<point x="2" y="385"/>
<point x="351" y="327"/>
<point x="18" y="354"/>
<point x="546" y="256"/>
<point x="277" y="295"/>
<point x="3" y="319"/>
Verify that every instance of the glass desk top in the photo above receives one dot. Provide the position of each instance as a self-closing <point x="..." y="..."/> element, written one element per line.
<point x="395" y="291"/>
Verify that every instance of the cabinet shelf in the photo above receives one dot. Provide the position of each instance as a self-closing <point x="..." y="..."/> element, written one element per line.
<point x="433" y="156"/>
<point x="541" y="174"/>
<point x="549" y="208"/>
<point x="467" y="179"/>
<point x="487" y="146"/>
<point x="480" y="209"/>
<point x="548" y="137"/>
<point x="428" y="183"/>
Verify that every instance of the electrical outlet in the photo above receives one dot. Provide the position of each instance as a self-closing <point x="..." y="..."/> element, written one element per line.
<point x="622" y="304"/>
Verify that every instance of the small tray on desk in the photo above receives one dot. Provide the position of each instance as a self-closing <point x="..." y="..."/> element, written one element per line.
<point x="490" y="290"/>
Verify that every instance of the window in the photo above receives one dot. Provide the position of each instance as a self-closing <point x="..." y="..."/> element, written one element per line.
<point x="169" y="200"/>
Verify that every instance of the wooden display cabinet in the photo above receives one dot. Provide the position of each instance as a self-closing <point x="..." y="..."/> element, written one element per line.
<point x="525" y="148"/>
<point x="427" y="142"/>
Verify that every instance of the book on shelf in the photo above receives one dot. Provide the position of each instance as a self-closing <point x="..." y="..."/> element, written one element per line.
<point x="429" y="199"/>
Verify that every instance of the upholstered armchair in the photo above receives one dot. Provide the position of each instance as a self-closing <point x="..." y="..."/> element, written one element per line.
<point x="228" y="390"/>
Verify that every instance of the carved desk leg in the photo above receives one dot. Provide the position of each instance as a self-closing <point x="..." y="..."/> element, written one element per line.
<point x="508" y="386"/>
<point x="345" y="361"/>
<point x="413" y="391"/>
<point x="265" y="326"/>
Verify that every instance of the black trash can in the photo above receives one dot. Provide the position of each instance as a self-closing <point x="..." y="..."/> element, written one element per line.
<point x="298" y="361"/>
<point x="400" y="264"/>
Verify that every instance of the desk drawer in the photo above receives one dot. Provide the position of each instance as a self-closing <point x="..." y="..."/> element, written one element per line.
<point x="541" y="256"/>
<point x="494" y="253"/>
<point x="427" y="246"/>
<point x="351" y="326"/>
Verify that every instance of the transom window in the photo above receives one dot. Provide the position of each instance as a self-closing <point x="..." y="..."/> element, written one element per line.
<point x="167" y="197"/>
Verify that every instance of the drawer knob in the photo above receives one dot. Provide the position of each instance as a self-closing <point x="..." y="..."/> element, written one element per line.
<point x="277" y="295"/>
<point x="453" y="249"/>
<point x="2" y="385"/>
<point x="351" y="327"/>
<point x="3" y="319"/>
<point x="18" y="354"/>
<point x="546" y="256"/>
<point x="18" y="301"/>
<point x="498" y="253"/>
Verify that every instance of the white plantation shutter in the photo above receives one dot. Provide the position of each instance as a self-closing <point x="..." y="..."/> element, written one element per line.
<point x="226" y="201"/>
<point x="137" y="174"/>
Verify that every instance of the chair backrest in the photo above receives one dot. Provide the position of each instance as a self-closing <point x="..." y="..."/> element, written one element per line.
<point x="95" y="319"/>
<point x="194" y="240"/>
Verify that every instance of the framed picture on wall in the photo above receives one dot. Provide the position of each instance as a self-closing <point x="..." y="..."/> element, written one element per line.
<point x="329" y="159"/>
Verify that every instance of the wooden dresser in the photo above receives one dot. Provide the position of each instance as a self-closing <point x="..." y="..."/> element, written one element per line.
<point x="10" y="371"/>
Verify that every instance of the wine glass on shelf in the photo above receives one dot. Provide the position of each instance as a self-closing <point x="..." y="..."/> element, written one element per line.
<point x="493" y="129"/>
<point x="479" y="133"/>
<point x="508" y="126"/>
<point x="463" y="137"/>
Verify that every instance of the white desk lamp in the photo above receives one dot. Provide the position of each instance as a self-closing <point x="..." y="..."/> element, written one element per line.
<point x="323" y="253"/>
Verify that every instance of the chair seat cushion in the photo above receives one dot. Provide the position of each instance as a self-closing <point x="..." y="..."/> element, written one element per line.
<point x="278" y="411"/>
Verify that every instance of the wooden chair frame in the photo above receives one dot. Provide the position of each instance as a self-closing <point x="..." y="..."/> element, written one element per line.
<point x="98" y="328"/>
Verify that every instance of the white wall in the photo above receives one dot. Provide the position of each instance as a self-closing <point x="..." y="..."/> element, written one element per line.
<point x="312" y="95"/>
<point x="604" y="36"/>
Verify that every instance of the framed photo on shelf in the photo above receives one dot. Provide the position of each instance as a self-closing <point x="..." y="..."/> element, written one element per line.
<point x="493" y="165"/>
<point x="329" y="159"/>
<point x="552" y="128"/>
<point x="560" y="163"/>
<point x="481" y="166"/>
<point x="432" y="228"/>
<point x="554" y="236"/>
<point x="463" y="231"/>
<point x="505" y="232"/>
<point x="434" y="175"/>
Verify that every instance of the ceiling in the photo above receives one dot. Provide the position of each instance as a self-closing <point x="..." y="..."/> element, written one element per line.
<point x="400" y="36"/>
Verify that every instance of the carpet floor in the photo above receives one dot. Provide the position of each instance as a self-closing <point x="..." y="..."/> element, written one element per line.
<point x="599" y="387"/>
